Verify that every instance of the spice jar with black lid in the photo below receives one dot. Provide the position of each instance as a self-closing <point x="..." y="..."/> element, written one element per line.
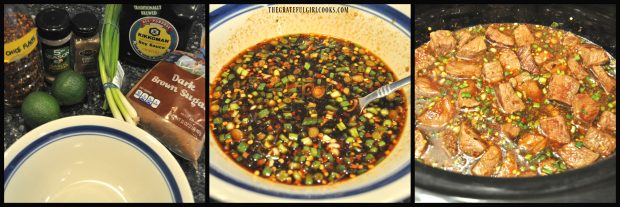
<point x="85" y="43"/>
<point x="54" y="29"/>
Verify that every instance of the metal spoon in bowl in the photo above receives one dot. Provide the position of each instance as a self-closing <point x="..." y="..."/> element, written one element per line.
<point x="381" y="92"/>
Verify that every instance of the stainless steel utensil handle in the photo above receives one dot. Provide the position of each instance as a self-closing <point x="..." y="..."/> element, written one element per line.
<point x="384" y="91"/>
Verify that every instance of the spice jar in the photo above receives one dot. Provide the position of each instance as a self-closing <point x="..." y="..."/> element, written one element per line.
<point x="23" y="67"/>
<point x="85" y="44"/>
<point x="54" y="29"/>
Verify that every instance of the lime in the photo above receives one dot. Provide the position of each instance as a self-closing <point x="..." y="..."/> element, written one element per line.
<point x="39" y="108"/>
<point x="69" y="87"/>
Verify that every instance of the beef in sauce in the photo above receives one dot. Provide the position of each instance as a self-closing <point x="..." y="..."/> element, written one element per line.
<point x="514" y="100"/>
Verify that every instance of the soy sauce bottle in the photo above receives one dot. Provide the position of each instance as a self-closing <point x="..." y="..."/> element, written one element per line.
<point x="150" y="31"/>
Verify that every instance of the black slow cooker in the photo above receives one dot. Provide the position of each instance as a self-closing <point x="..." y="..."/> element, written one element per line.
<point x="595" y="183"/>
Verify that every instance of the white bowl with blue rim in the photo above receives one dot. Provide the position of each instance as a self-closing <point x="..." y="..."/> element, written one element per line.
<point x="381" y="29"/>
<point x="92" y="159"/>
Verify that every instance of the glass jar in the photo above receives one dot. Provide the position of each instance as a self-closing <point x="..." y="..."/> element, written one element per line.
<point x="54" y="29"/>
<point x="85" y="44"/>
<point x="23" y="66"/>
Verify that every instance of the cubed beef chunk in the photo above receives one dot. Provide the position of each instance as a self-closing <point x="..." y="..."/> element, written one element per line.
<point x="508" y="99"/>
<point x="523" y="36"/>
<point x="555" y="129"/>
<point x="424" y="87"/>
<point x="420" y="144"/>
<point x="607" y="83"/>
<point x="442" y="42"/>
<point x="510" y="130"/>
<point x="438" y="115"/>
<point x="599" y="142"/>
<point x="570" y="40"/>
<point x="585" y="108"/>
<point x="607" y="121"/>
<point x="467" y="96"/>
<point x="448" y="142"/>
<point x="463" y="36"/>
<point x="423" y="59"/>
<point x="499" y="37"/>
<point x="469" y="143"/>
<point x="592" y="55"/>
<point x="541" y="57"/>
<point x="527" y="61"/>
<point x="553" y="66"/>
<point x="528" y="173"/>
<point x="575" y="69"/>
<point x="531" y="90"/>
<point x="488" y="163"/>
<point x="532" y="143"/>
<point x="562" y="88"/>
<point x="464" y="69"/>
<point x="472" y="48"/>
<point x="509" y="60"/>
<point x="509" y="166"/>
<point x="492" y="72"/>
<point x="577" y="157"/>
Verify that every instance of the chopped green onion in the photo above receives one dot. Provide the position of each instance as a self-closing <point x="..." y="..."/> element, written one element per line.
<point x="369" y="142"/>
<point x="387" y="123"/>
<point x="306" y="141"/>
<point x="263" y="113"/>
<point x="261" y="86"/>
<point x="353" y="132"/>
<point x="217" y="121"/>
<point x="341" y="126"/>
<point x="288" y="115"/>
<point x="579" y="144"/>
<point x="242" y="147"/>
<point x="309" y="121"/>
<point x="267" y="171"/>
<point x="293" y="136"/>
<point x="349" y="140"/>
<point x="314" y="152"/>
<point x="596" y="96"/>
<point x="233" y="106"/>
<point x="463" y="85"/>
<point x="331" y="108"/>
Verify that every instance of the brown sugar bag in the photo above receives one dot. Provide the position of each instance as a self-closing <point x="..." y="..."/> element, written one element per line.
<point x="170" y="100"/>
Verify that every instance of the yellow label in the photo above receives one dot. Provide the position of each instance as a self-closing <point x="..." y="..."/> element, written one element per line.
<point x="21" y="47"/>
<point x="153" y="41"/>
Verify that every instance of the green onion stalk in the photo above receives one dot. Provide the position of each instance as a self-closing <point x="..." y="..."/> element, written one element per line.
<point x="108" y="58"/>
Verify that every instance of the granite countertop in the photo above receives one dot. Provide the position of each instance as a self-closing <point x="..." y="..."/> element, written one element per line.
<point x="14" y="126"/>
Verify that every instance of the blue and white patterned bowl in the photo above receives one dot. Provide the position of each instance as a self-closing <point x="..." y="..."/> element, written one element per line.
<point x="379" y="28"/>
<point x="92" y="159"/>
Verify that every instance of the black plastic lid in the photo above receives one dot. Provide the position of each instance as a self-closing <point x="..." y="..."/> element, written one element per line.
<point x="53" y="23"/>
<point x="185" y="11"/>
<point x="85" y="24"/>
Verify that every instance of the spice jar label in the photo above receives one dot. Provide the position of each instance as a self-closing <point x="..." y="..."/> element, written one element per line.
<point x="152" y="38"/>
<point x="21" y="47"/>
<point x="58" y="59"/>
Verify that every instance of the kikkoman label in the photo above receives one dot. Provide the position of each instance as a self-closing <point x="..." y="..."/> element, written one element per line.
<point x="153" y="37"/>
<point x="21" y="47"/>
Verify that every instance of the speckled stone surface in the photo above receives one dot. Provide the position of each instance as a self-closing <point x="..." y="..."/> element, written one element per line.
<point x="14" y="126"/>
